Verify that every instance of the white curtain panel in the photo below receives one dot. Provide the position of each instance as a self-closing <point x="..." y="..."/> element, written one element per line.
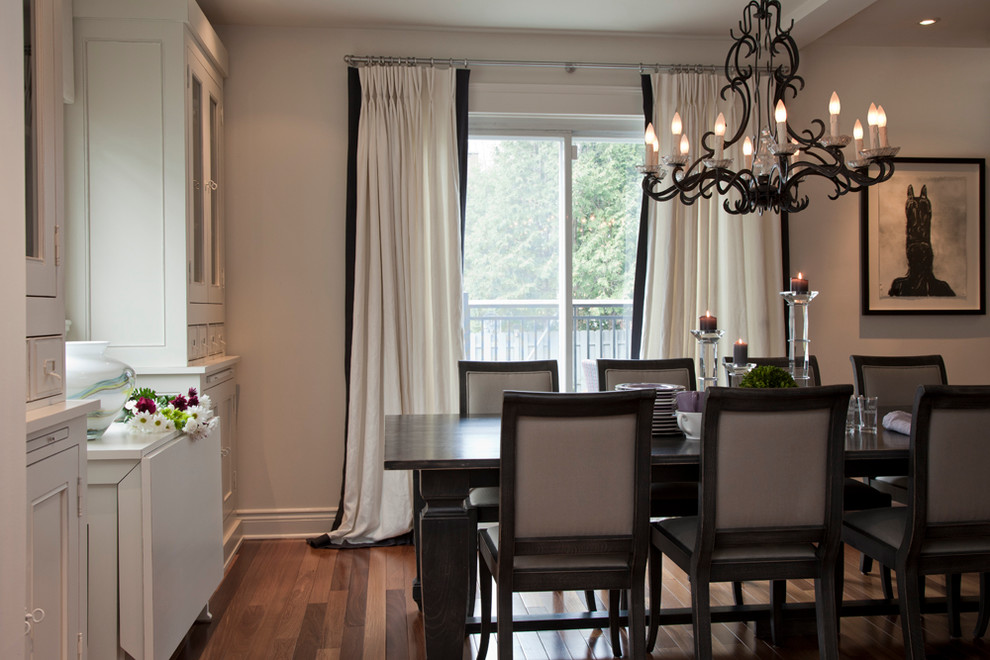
<point x="407" y="303"/>
<point x="700" y="257"/>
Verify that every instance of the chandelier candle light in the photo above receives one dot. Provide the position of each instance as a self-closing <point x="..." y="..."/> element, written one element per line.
<point x="776" y="158"/>
<point x="798" y="345"/>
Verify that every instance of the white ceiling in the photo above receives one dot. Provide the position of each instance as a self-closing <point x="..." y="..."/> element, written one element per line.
<point x="964" y="23"/>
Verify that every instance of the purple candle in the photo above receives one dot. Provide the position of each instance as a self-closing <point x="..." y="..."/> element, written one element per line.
<point x="740" y="352"/>
<point x="708" y="323"/>
<point x="799" y="284"/>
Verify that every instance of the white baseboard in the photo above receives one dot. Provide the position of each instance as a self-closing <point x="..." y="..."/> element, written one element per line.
<point x="285" y="523"/>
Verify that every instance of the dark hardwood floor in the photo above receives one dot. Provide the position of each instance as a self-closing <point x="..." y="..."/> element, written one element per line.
<point x="282" y="599"/>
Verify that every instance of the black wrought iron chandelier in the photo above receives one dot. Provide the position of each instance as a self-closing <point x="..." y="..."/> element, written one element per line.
<point x="761" y="70"/>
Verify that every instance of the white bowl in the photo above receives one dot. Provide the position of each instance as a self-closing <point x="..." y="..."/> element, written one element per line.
<point x="690" y="424"/>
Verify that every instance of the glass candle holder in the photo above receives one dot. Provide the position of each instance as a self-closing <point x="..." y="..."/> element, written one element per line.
<point x="798" y="344"/>
<point x="734" y="373"/>
<point x="707" y="357"/>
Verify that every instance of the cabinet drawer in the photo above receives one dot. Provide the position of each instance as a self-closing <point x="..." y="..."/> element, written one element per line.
<point x="46" y="366"/>
<point x="47" y="438"/>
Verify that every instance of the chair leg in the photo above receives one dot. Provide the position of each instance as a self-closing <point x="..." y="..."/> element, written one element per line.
<point x="865" y="563"/>
<point x="909" y="597"/>
<point x="485" y="589"/>
<point x="778" y="595"/>
<point x="827" y="612"/>
<point x="504" y="621"/>
<point x="613" y="621"/>
<point x="953" y="587"/>
<point x="737" y="595"/>
<point x="886" y="583"/>
<point x="656" y="585"/>
<point x="589" y="597"/>
<point x="984" y="615"/>
<point x="701" y="614"/>
<point x="473" y="566"/>
<point x="637" y="620"/>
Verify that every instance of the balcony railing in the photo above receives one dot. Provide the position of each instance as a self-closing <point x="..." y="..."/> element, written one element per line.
<point x="530" y="330"/>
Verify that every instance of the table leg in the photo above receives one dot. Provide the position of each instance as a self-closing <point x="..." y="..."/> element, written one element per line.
<point x="445" y="546"/>
<point x="417" y="592"/>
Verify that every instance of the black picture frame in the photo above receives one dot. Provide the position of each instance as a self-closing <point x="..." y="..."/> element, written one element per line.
<point x="922" y="239"/>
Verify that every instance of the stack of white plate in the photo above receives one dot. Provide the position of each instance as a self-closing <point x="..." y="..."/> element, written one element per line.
<point x="664" y="421"/>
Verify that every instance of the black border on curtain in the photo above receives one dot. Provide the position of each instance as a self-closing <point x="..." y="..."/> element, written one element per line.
<point x="353" y="120"/>
<point x="642" y="242"/>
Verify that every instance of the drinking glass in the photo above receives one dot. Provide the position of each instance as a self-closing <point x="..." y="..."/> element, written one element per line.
<point x="852" y="413"/>
<point x="868" y="413"/>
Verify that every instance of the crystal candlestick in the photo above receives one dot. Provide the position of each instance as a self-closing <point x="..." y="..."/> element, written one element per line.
<point x="798" y="345"/>
<point x="734" y="373"/>
<point x="707" y="357"/>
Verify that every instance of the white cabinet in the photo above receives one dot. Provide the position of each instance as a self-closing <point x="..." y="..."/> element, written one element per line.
<point x="43" y="91"/>
<point x="56" y="524"/>
<point x="144" y="191"/>
<point x="218" y="379"/>
<point x="156" y="553"/>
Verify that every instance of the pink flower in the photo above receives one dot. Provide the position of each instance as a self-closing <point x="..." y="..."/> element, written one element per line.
<point x="146" y="405"/>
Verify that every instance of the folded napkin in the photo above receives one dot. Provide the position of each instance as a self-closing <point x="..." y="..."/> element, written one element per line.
<point x="898" y="421"/>
<point x="691" y="401"/>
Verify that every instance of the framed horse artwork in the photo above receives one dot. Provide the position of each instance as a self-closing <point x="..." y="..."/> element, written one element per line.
<point x="922" y="238"/>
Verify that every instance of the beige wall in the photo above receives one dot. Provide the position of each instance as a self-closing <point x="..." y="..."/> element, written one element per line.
<point x="286" y="132"/>
<point x="12" y="327"/>
<point x="286" y="145"/>
<point x="936" y="102"/>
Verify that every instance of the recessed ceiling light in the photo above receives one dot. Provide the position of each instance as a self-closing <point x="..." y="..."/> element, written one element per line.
<point x="928" y="21"/>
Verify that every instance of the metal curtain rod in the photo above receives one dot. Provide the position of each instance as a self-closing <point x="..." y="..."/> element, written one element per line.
<point x="365" y="60"/>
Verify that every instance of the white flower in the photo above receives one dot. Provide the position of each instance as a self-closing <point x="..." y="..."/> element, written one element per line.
<point x="199" y="412"/>
<point x="131" y="405"/>
<point x="204" y="402"/>
<point x="160" y="422"/>
<point x="141" y="422"/>
<point x="192" y="425"/>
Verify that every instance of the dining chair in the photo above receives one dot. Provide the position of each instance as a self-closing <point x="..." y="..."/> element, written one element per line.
<point x="670" y="498"/>
<point x="856" y="495"/>
<point x="945" y="526"/>
<point x="481" y="384"/>
<point x="894" y="379"/>
<point x="771" y="503"/>
<point x="574" y="485"/>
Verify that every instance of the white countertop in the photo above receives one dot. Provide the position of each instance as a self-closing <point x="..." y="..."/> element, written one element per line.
<point x="57" y="413"/>
<point x="208" y="366"/>
<point x="120" y="443"/>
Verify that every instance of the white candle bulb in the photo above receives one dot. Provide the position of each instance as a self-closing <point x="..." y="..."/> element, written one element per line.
<point x="719" y="135"/>
<point x="748" y="153"/>
<point x="651" y="152"/>
<point x="858" y="137"/>
<point x="871" y="119"/>
<point x="655" y="147"/>
<point x="882" y="125"/>
<point x="685" y="145"/>
<point x="833" y="114"/>
<point x="675" y="130"/>
<point x="780" y="116"/>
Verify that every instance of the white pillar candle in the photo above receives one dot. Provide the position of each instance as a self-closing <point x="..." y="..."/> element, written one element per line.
<point x="719" y="136"/>
<point x="675" y="130"/>
<point x="858" y="138"/>
<point x="685" y="145"/>
<point x="871" y="119"/>
<point x="650" y="138"/>
<point x="780" y="116"/>
<point x="833" y="114"/>
<point x="882" y="125"/>
<point x="748" y="153"/>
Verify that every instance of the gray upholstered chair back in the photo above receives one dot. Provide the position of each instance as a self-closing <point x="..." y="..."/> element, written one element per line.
<point x="957" y="460"/>
<point x="557" y="459"/>
<point x="676" y="371"/>
<point x="482" y="383"/>
<point x="772" y="468"/>
<point x="895" y="379"/>
<point x="772" y="458"/>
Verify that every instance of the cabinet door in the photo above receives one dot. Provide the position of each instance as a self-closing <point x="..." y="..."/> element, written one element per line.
<point x="224" y="398"/>
<point x="53" y="555"/>
<point x="205" y="231"/>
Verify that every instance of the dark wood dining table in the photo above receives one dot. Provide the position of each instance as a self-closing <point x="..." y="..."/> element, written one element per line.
<point x="453" y="454"/>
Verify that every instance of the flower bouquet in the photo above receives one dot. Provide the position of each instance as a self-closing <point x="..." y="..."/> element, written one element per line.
<point x="149" y="412"/>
